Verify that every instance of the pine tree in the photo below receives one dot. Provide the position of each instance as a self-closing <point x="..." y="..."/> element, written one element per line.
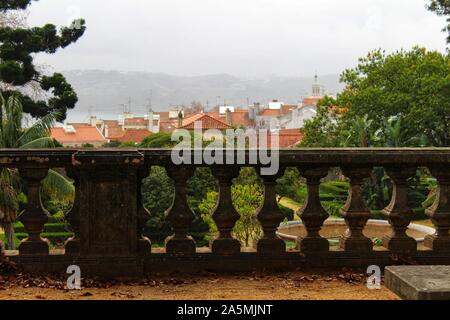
<point x="441" y="8"/>
<point x="17" y="45"/>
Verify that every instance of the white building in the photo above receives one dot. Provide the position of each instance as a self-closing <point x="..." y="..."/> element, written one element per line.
<point x="278" y="115"/>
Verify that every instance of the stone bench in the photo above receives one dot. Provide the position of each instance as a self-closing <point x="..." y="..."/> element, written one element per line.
<point x="419" y="282"/>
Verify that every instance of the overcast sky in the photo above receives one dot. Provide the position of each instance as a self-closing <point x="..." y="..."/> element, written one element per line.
<point x="238" y="37"/>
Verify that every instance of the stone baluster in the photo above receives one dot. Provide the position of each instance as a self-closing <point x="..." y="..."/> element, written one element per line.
<point x="144" y="243"/>
<point x="439" y="212"/>
<point x="180" y="215"/>
<point x="34" y="216"/>
<point x="72" y="245"/>
<point x="225" y="215"/>
<point x="313" y="214"/>
<point x="399" y="213"/>
<point x="270" y="217"/>
<point x="355" y="212"/>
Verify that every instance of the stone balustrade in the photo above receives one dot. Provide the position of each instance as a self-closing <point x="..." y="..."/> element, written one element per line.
<point x="108" y="215"/>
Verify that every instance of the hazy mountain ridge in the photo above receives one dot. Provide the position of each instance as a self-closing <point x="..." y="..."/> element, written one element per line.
<point x="103" y="92"/>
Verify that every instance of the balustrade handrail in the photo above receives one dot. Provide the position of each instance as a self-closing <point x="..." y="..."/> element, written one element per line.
<point x="108" y="215"/>
<point x="326" y="156"/>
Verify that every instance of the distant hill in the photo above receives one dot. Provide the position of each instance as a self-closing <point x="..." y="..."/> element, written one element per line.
<point x="102" y="92"/>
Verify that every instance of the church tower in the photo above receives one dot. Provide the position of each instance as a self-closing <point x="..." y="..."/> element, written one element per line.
<point x="316" y="87"/>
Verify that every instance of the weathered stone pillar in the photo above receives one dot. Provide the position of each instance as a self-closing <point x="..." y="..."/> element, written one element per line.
<point x="399" y="213"/>
<point x="270" y="217"/>
<point x="355" y="212"/>
<point x="180" y="215"/>
<point x="225" y="215"/>
<point x="313" y="214"/>
<point x="144" y="243"/>
<point x="72" y="245"/>
<point x="34" y="216"/>
<point x="439" y="212"/>
<point x="108" y="211"/>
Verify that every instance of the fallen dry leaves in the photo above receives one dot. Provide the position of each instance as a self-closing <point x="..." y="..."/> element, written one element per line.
<point x="11" y="277"/>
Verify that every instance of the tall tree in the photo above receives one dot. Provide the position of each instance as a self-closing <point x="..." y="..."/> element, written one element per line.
<point x="411" y="85"/>
<point x="322" y="130"/>
<point x="442" y="8"/>
<point x="17" y="71"/>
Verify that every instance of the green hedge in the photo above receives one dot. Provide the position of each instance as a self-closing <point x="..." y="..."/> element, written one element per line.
<point x="57" y="231"/>
<point x="287" y="213"/>
<point x="54" y="238"/>
<point x="419" y="214"/>
<point x="57" y="218"/>
<point x="49" y="227"/>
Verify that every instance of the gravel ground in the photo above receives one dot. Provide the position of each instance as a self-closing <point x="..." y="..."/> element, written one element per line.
<point x="288" y="286"/>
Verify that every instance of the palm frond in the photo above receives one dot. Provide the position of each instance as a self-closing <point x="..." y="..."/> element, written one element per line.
<point x="11" y="122"/>
<point x="40" y="129"/>
<point x="2" y="110"/>
<point x="44" y="142"/>
<point x="8" y="202"/>
<point x="10" y="177"/>
<point x="58" y="186"/>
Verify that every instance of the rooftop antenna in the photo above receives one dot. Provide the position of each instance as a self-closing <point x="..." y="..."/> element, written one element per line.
<point x="129" y="105"/>
<point x="149" y="101"/>
<point x="90" y="111"/>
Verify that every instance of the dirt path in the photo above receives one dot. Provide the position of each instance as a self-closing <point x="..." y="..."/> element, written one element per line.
<point x="296" y="286"/>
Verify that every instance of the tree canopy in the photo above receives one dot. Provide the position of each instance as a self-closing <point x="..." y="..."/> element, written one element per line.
<point x="442" y="8"/>
<point x="411" y="85"/>
<point x="406" y="93"/>
<point x="17" y="47"/>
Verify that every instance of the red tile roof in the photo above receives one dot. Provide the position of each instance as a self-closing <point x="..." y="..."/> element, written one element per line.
<point x="164" y="116"/>
<point x="215" y="114"/>
<point x="312" y="100"/>
<point x="270" y="113"/>
<point x="287" y="108"/>
<point x="239" y="118"/>
<point x="133" y="135"/>
<point x="288" y="138"/>
<point x="192" y="119"/>
<point x="136" y="122"/>
<point x="82" y="135"/>
<point x="207" y="122"/>
<point x="168" y="126"/>
<point x="113" y="129"/>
